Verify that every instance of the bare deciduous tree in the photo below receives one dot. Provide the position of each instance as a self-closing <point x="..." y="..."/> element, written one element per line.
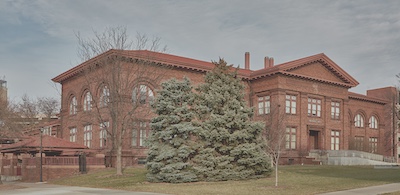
<point x="48" y="106"/>
<point x="115" y="83"/>
<point x="275" y="136"/>
<point x="28" y="107"/>
<point x="9" y="127"/>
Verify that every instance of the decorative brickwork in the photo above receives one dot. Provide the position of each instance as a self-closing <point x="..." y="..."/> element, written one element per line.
<point x="311" y="78"/>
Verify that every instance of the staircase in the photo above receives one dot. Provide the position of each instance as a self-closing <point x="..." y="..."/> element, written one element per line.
<point x="349" y="157"/>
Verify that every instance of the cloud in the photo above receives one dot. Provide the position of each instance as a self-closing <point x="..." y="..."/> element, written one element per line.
<point x="361" y="36"/>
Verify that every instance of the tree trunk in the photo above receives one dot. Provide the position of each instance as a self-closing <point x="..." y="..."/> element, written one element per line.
<point x="276" y="175"/>
<point x="119" y="158"/>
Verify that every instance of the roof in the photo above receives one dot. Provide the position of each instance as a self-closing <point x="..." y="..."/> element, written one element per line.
<point x="365" y="98"/>
<point x="151" y="56"/>
<point x="285" y="68"/>
<point x="48" y="143"/>
<point x="203" y="66"/>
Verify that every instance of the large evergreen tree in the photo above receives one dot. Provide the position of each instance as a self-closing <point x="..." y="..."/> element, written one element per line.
<point x="171" y="141"/>
<point x="231" y="142"/>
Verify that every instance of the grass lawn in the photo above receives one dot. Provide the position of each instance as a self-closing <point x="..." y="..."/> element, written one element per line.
<point x="292" y="180"/>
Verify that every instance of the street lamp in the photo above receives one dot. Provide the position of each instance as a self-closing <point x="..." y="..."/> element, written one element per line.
<point x="41" y="156"/>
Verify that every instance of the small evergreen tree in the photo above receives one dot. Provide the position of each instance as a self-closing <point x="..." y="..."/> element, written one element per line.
<point x="171" y="143"/>
<point x="231" y="142"/>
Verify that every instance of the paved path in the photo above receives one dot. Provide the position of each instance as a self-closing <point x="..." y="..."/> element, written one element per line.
<point x="373" y="190"/>
<point x="50" y="189"/>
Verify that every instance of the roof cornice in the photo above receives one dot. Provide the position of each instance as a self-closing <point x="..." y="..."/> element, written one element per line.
<point x="284" y="68"/>
<point x="149" y="56"/>
<point x="365" y="98"/>
<point x="203" y="66"/>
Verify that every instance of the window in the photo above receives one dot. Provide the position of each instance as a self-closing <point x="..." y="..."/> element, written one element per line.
<point x="104" y="96"/>
<point x="264" y="105"/>
<point x="73" y="105"/>
<point x="139" y="133"/>
<point x="335" y="110"/>
<point x="143" y="134"/>
<point x="87" y="135"/>
<point x="87" y="102"/>
<point x="290" y="104"/>
<point x="373" y="144"/>
<point x="142" y="94"/>
<point x="359" y="143"/>
<point x="103" y="134"/>
<point x="359" y="121"/>
<point x="335" y="140"/>
<point x="373" y="123"/>
<point x="134" y="136"/>
<point x="314" y="107"/>
<point x="72" y="134"/>
<point x="46" y="131"/>
<point x="290" y="138"/>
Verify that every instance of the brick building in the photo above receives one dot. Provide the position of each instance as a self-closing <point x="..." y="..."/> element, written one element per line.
<point x="312" y="94"/>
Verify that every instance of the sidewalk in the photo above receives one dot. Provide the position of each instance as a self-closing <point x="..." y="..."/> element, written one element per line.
<point x="49" y="189"/>
<point x="372" y="190"/>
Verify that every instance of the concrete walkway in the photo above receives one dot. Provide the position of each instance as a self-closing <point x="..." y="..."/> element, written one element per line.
<point x="49" y="189"/>
<point x="372" y="190"/>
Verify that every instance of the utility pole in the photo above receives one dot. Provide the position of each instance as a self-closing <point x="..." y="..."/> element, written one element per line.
<point x="41" y="156"/>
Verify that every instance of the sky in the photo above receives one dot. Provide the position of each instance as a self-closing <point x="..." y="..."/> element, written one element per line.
<point x="38" y="42"/>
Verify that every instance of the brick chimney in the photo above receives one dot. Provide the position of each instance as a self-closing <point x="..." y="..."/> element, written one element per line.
<point x="271" y="62"/>
<point x="247" y="61"/>
<point x="266" y="62"/>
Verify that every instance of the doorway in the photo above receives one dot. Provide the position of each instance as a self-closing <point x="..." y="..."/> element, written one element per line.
<point x="313" y="140"/>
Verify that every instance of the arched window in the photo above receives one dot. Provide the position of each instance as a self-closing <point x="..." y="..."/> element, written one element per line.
<point x="104" y="96"/>
<point x="87" y="102"/>
<point x="73" y="105"/>
<point x="373" y="122"/>
<point x="359" y="121"/>
<point x="142" y="94"/>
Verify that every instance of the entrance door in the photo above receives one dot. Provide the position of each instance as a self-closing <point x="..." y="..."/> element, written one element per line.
<point x="313" y="140"/>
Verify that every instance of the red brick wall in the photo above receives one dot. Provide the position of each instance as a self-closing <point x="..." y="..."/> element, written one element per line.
<point x="31" y="170"/>
<point x="277" y="86"/>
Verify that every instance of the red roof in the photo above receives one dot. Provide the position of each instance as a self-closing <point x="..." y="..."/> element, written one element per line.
<point x="365" y="98"/>
<point x="348" y="80"/>
<point x="48" y="143"/>
<point x="203" y="66"/>
<point x="160" y="58"/>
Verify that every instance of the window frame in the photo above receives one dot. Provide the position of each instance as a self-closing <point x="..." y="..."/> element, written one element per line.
<point x="359" y="143"/>
<point x="140" y="132"/>
<point x="335" y="110"/>
<point x="104" y="96"/>
<point x="73" y="105"/>
<point x="359" y="121"/>
<point x="373" y="122"/>
<point x="88" y="135"/>
<point x="314" y="107"/>
<point x="291" y="138"/>
<point x="264" y="104"/>
<point x="335" y="140"/>
<point x="373" y="144"/>
<point x="103" y="136"/>
<point x="142" y="94"/>
<point x="87" y="101"/>
<point x="290" y="104"/>
<point x="73" y="134"/>
<point x="46" y="130"/>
